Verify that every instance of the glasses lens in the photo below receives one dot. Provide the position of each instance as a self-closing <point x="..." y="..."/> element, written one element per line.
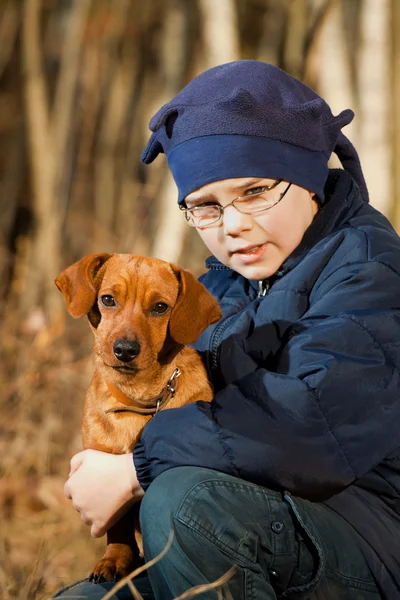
<point x="258" y="202"/>
<point x="202" y="216"/>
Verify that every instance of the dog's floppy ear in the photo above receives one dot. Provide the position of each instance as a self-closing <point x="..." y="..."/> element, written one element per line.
<point x="77" y="283"/>
<point x="195" y="308"/>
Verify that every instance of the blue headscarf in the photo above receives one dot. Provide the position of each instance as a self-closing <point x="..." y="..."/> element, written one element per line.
<point x="250" y="119"/>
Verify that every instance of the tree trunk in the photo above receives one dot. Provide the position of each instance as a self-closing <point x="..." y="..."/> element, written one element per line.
<point x="42" y="256"/>
<point x="220" y="32"/>
<point x="171" y="228"/>
<point x="293" y="51"/>
<point x="220" y="36"/>
<point x="373" y="91"/>
<point x="273" y="28"/>
<point x="120" y="77"/>
<point x="47" y="143"/>
<point x="334" y="76"/>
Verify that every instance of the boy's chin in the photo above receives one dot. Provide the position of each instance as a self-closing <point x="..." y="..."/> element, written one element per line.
<point x="258" y="272"/>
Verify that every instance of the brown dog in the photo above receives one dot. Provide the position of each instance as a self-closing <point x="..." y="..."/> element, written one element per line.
<point x="142" y="312"/>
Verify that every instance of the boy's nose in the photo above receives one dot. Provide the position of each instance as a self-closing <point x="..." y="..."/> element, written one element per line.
<point x="235" y="222"/>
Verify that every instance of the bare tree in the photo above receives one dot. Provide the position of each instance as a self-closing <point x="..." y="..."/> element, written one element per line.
<point x="296" y="30"/>
<point x="170" y="230"/>
<point x="220" y="32"/>
<point x="221" y="44"/>
<point x="373" y="92"/>
<point x="47" y="138"/>
<point x="335" y="83"/>
<point x="273" y="32"/>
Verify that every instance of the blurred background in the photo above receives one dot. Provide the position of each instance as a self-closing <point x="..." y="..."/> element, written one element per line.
<point x="79" y="81"/>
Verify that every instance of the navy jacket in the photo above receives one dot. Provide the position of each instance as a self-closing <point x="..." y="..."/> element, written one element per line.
<point x="306" y="378"/>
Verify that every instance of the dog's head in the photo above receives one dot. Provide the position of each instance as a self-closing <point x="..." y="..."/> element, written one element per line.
<point x="139" y="308"/>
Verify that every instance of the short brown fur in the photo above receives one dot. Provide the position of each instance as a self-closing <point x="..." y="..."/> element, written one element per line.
<point x="138" y="286"/>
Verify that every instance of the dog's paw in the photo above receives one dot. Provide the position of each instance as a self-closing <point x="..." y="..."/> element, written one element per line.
<point x="118" y="562"/>
<point x="105" y="570"/>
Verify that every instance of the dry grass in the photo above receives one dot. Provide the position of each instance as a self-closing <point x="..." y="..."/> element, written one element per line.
<point x="43" y="380"/>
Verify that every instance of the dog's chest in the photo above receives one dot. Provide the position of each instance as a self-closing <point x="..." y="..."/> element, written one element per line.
<point x="124" y="430"/>
<point x="114" y="432"/>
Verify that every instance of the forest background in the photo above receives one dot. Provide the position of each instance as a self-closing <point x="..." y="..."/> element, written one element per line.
<point x="79" y="81"/>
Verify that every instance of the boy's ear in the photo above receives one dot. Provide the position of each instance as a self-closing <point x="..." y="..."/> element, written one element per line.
<point x="195" y="308"/>
<point x="77" y="283"/>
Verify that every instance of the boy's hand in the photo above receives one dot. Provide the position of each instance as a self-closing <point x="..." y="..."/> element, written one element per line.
<point x="102" y="487"/>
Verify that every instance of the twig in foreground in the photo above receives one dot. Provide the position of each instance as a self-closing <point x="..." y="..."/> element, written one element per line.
<point x="128" y="579"/>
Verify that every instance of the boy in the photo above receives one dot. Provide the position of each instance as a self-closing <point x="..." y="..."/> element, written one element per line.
<point x="292" y="473"/>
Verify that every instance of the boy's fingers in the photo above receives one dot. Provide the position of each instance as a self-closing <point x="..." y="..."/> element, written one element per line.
<point x="67" y="492"/>
<point x="96" y="532"/>
<point x="76" y="462"/>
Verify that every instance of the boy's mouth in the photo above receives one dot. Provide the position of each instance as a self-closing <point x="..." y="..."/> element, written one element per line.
<point x="249" y="249"/>
<point x="250" y="254"/>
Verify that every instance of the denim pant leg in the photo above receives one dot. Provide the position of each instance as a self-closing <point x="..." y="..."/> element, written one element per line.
<point x="345" y="573"/>
<point x="282" y="547"/>
<point x="86" y="590"/>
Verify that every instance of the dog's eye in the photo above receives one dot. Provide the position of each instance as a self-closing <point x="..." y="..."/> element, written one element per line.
<point x="108" y="300"/>
<point x="160" y="308"/>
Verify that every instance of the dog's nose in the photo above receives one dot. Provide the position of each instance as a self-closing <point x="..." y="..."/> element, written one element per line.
<point x="126" y="350"/>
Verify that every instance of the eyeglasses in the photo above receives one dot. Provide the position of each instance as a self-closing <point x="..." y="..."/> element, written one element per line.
<point x="205" y="215"/>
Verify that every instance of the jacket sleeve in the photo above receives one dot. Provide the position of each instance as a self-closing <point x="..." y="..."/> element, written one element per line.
<point x="326" y="415"/>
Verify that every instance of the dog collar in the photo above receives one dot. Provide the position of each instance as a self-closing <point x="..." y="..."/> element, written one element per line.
<point x="147" y="407"/>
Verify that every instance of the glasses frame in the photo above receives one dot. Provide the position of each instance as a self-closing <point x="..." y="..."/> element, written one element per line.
<point x="221" y="209"/>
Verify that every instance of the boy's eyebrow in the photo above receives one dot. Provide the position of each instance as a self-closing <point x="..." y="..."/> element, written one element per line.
<point x="239" y="186"/>
<point x="200" y="199"/>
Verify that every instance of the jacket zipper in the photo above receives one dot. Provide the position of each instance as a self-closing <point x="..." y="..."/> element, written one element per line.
<point x="263" y="287"/>
<point x="216" y="339"/>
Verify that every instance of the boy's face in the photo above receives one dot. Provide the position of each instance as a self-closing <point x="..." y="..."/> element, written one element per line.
<point x="255" y="245"/>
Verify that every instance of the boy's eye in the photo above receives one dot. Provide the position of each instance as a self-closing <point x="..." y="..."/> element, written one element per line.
<point x="108" y="301"/>
<point x="256" y="190"/>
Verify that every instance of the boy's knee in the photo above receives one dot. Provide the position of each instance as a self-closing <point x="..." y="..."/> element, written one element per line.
<point x="166" y="493"/>
<point x="163" y="501"/>
<point x="199" y="503"/>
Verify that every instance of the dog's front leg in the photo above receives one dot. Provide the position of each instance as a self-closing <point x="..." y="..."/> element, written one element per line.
<point x="122" y="554"/>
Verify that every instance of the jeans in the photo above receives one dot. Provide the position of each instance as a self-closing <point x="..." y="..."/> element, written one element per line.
<point x="283" y="547"/>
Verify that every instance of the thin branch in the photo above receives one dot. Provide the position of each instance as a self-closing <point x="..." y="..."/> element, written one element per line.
<point x="139" y="570"/>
